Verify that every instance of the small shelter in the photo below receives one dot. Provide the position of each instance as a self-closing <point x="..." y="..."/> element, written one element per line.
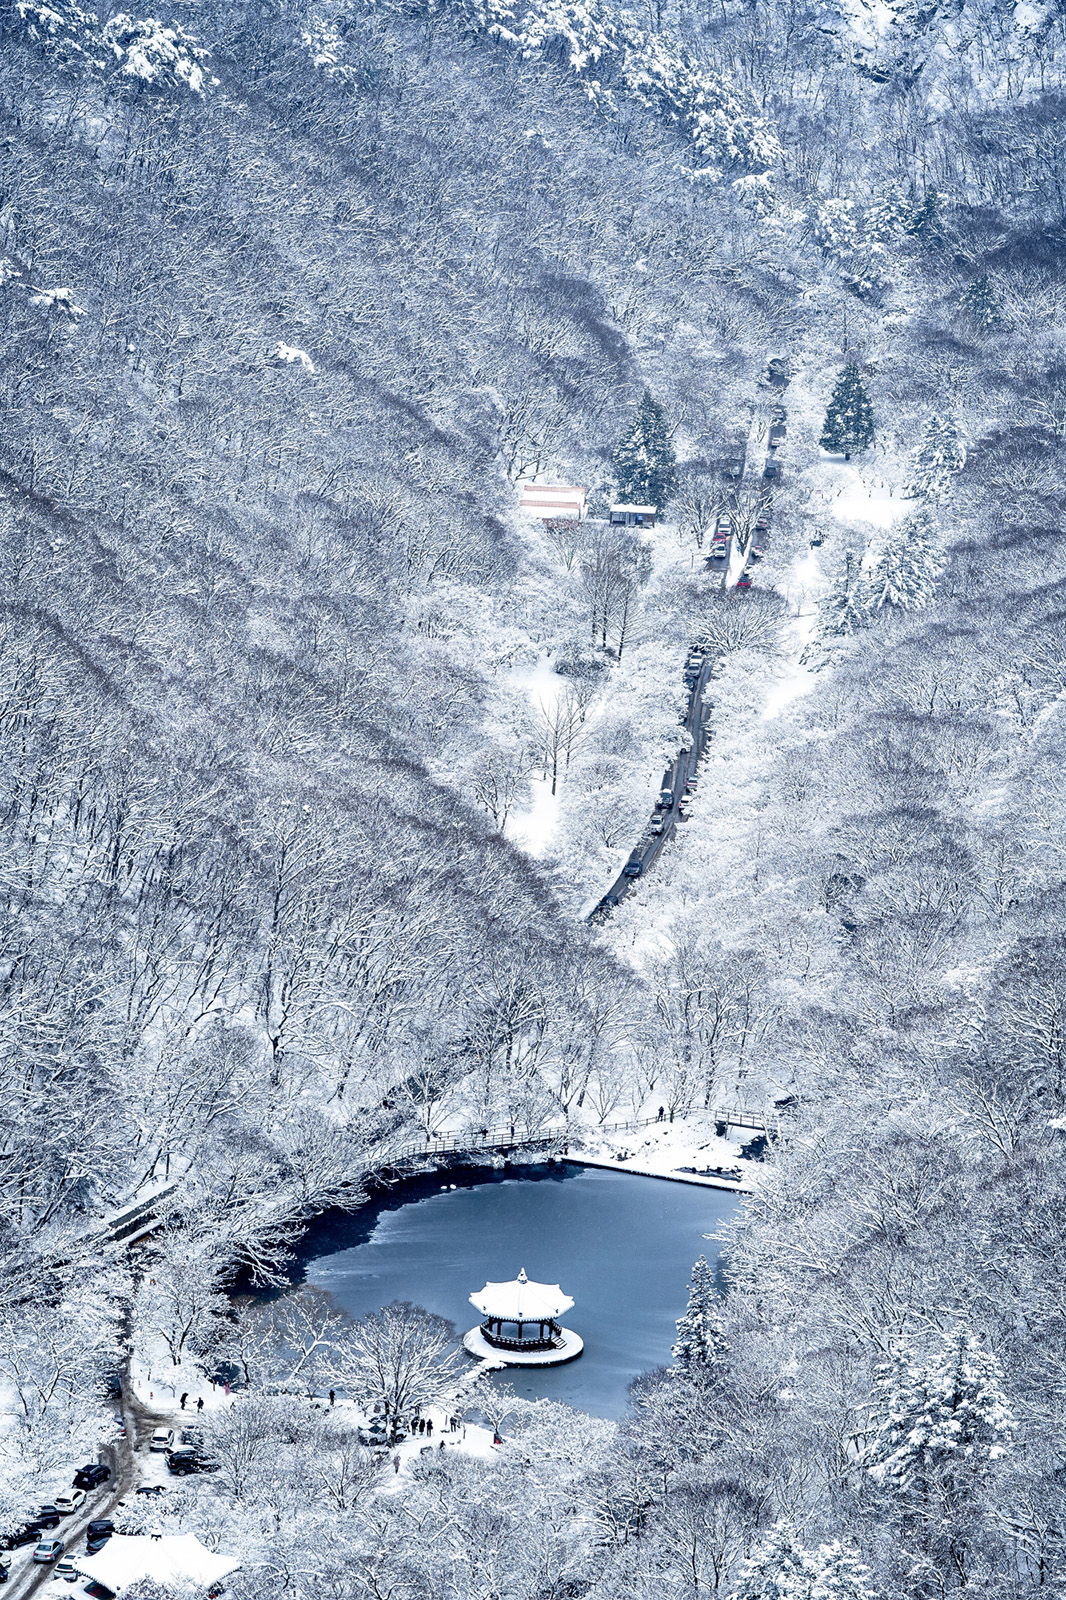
<point x="176" y="1560"/>
<point x="624" y="516"/>
<point x="554" y="501"/>
<point x="520" y="1326"/>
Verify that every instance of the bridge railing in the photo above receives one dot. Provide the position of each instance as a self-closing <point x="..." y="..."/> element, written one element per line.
<point x="513" y="1137"/>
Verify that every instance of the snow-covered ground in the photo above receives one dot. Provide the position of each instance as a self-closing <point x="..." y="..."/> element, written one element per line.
<point x="534" y="828"/>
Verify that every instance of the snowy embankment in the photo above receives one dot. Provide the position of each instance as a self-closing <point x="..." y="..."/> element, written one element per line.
<point x="534" y="828"/>
<point x="841" y="493"/>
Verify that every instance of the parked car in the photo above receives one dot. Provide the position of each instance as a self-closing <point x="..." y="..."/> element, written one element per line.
<point x="757" y="552"/>
<point x="69" y="1502"/>
<point x="162" y="1439"/>
<point x="100" y="1525"/>
<point x="633" y="867"/>
<point x="28" y="1533"/>
<point x="718" y="551"/>
<point x="150" y="1488"/>
<point x="65" y="1569"/>
<point x="192" y="1436"/>
<point x="95" y="1545"/>
<point x="744" y="581"/>
<point x="183" y="1462"/>
<point x="5" y="1568"/>
<point x="48" y="1517"/>
<point x="92" y="1475"/>
<point x="772" y="469"/>
<point x="49" y="1550"/>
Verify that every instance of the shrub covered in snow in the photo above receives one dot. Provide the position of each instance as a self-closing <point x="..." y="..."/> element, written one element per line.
<point x="147" y="49"/>
<point x="65" y="32"/>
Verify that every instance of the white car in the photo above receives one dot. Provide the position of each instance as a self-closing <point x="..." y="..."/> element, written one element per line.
<point x="68" y="1502"/>
<point x="66" y="1570"/>
<point x="162" y="1439"/>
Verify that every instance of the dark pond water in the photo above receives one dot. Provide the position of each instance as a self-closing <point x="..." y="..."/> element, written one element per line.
<point x="623" y="1246"/>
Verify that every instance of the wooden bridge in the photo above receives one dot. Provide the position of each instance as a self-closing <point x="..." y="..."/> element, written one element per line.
<point x="554" y="1136"/>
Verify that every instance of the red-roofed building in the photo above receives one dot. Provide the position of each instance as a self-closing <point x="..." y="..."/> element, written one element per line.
<point x="550" y="501"/>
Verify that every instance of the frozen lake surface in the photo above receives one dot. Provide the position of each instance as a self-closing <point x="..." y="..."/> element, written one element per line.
<point x="623" y="1246"/>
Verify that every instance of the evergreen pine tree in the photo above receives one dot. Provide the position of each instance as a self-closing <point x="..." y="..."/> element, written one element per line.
<point x="644" y="463"/>
<point x="845" y="608"/>
<point x="980" y="304"/>
<point x="937" y="1415"/>
<point x="924" y="222"/>
<point x="699" y="1343"/>
<point x="905" y="572"/>
<point x="782" y="1569"/>
<point x="849" y="421"/>
<point x="937" y="459"/>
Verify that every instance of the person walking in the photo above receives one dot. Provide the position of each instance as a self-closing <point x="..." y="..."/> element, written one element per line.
<point x="200" y="1403"/>
<point x="396" y="1462"/>
<point x="182" y="1401"/>
<point x="332" y="1397"/>
<point x="662" y="1114"/>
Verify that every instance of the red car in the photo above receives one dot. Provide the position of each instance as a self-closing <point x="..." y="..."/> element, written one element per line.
<point x="744" y="581"/>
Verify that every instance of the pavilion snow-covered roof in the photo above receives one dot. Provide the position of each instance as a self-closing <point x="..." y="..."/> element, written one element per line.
<point x="521" y="1300"/>
<point x="172" y="1559"/>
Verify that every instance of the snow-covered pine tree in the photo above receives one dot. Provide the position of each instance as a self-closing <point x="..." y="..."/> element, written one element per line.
<point x="937" y="459"/>
<point x="845" y="609"/>
<point x="924" y="221"/>
<point x="849" y="420"/>
<point x="938" y="1414"/>
<point x="905" y="573"/>
<point x="780" y="1568"/>
<point x="644" y="463"/>
<point x="699" y="1342"/>
<point x="980" y="304"/>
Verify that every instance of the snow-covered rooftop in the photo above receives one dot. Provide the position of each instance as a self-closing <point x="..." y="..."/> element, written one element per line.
<point x="521" y="1300"/>
<point x="171" y="1558"/>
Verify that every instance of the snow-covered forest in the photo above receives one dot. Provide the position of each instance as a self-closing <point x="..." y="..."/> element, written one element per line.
<point x="318" y="751"/>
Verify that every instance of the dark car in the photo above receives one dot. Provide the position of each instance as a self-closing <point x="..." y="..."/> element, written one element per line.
<point x="182" y="1462"/>
<point x="772" y="469"/>
<point x="29" y="1533"/>
<point x="633" y="869"/>
<point x="91" y="1476"/>
<point x="192" y="1436"/>
<point x="100" y="1525"/>
<point x="744" y="581"/>
<point x="150" y="1488"/>
<point x="47" y="1517"/>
